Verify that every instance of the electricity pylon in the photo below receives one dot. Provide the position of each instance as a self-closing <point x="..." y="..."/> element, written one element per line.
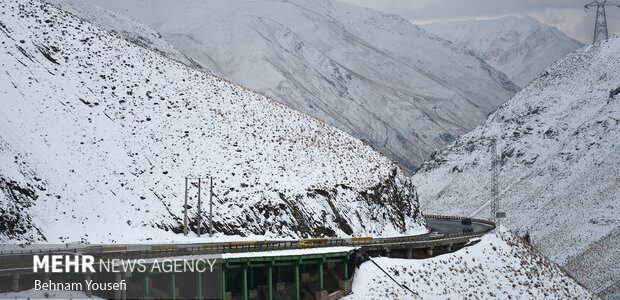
<point x="600" y="25"/>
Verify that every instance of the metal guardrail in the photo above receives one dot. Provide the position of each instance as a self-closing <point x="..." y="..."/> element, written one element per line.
<point x="16" y="259"/>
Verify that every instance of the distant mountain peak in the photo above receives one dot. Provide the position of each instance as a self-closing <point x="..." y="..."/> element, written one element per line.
<point x="521" y="47"/>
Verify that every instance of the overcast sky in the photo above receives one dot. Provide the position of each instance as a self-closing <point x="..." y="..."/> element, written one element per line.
<point x="568" y="15"/>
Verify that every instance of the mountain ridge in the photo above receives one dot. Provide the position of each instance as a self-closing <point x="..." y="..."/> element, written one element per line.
<point x="558" y="159"/>
<point x="355" y="68"/>
<point x="520" y="47"/>
<point x="124" y="125"/>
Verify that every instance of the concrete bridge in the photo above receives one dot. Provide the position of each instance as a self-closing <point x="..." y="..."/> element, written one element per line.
<point x="318" y="268"/>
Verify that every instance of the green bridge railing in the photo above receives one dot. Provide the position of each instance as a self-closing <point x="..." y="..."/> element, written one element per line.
<point x="15" y="258"/>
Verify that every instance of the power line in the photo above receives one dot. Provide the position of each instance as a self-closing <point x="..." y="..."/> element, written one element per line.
<point x="394" y="280"/>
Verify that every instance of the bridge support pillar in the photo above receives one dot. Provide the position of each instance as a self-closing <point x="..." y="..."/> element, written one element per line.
<point x="409" y="253"/>
<point x="118" y="294"/>
<point x="270" y="281"/>
<point x="449" y="248"/>
<point x="387" y="252"/>
<point x="15" y="283"/>
<point x="199" y="294"/>
<point x="429" y="251"/>
<point x="125" y="275"/>
<point x="321" y="283"/>
<point x="148" y="284"/>
<point x="251" y="274"/>
<point x="173" y="286"/>
<point x="88" y="292"/>
<point x="245" y="283"/>
<point x="297" y="283"/>
<point x="345" y="269"/>
<point x="223" y="291"/>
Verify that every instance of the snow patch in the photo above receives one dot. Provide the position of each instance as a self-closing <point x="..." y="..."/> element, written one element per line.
<point x="500" y="266"/>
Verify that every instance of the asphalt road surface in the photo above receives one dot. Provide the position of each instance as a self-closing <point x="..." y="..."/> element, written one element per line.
<point x="452" y="226"/>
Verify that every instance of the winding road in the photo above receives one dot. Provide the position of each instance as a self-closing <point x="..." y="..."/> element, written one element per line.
<point x="453" y="226"/>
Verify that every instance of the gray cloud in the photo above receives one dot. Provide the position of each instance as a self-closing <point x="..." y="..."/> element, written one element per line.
<point x="568" y="15"/>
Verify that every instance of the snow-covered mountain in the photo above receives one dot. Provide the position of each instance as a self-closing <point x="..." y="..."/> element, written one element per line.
<point x="125" y="27"/>
<point x="97" y="135"/>
<point x="520" y="47"/>
<point x="559" y="151"/>
<point x="498" y="267"/>
<point x="372" y="74"/>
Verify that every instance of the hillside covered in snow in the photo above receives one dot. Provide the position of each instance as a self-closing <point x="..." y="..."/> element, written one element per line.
<point x="97" y="135"/>
<point x="559" y="154"/>
<point x="124" y="27"/>
<point x="371" y="74"/>
<point x="498" y="267"/>
<point x="520" y="47"/>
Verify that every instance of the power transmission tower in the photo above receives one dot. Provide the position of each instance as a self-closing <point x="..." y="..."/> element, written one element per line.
<point x="600" y="25"/>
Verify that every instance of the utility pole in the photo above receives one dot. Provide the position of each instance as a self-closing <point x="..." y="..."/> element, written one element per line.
<point x="197" y="182"/>
<point x="199" y="209"/>
<point x="185" y="210"/>
<point x="494" y="181"/>
<point x="211" y="207"/>
<point x="600" y="25"/>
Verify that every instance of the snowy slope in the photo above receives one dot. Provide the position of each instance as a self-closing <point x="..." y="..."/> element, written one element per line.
<point x="97" y="134"/>
<point x="520" y="47"/>
<point x="560" y="165"/>
<point x="372" y="74"/>
<point x="498" y="267"/>
<point x="125" y="27"/>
